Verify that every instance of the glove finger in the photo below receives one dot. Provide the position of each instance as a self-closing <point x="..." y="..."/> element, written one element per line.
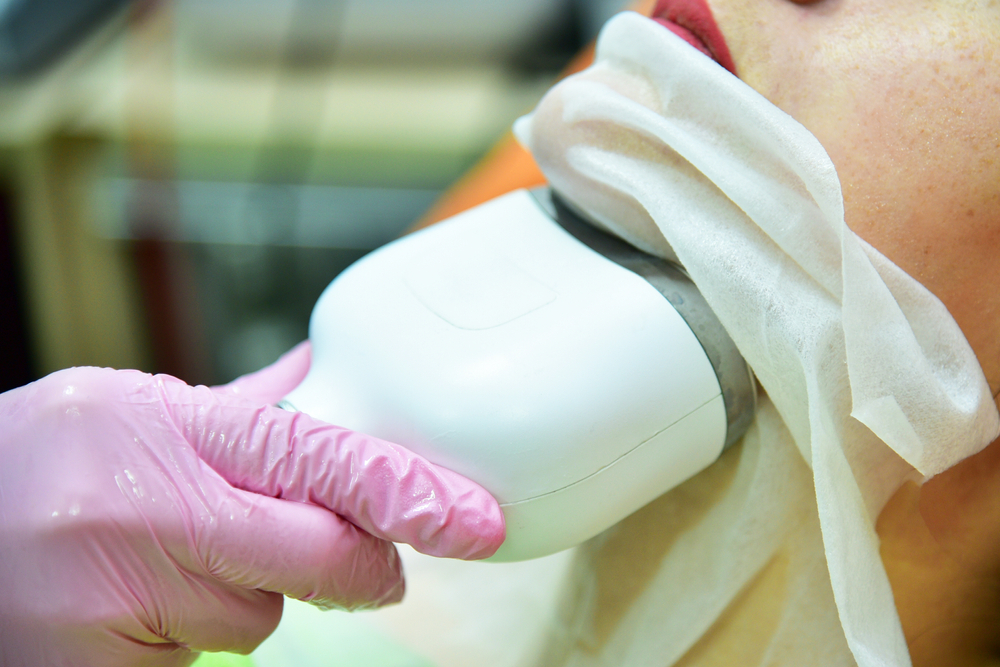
<point x="300" y="550"/>
<point x="228" y="618"/>
<point x="385" y="489"/>
<point x="272" y="383"/>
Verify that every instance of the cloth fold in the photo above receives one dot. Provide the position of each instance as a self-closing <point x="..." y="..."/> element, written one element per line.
<point x="872" y="376"/>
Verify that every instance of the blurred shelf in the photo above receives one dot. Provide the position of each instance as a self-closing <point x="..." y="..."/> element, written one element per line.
<point x="266" y="214"/>
<point x="136" y="143"/>
<point x="122" y="84"/>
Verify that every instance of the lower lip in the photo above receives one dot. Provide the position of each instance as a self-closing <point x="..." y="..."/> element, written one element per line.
<point x="686" y="35"/>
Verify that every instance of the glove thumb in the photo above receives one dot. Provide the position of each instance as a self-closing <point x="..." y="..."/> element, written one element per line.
<point x="272" y="383"/>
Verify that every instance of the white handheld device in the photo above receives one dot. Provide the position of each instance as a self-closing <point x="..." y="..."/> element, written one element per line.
<point x="572" y="376"/>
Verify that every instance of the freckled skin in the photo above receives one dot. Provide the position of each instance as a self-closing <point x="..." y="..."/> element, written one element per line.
<point x="905" y="97"/>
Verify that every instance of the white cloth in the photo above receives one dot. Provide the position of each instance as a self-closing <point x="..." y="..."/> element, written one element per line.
<point x="727" y="569"/>
<point x="867" y="369"/>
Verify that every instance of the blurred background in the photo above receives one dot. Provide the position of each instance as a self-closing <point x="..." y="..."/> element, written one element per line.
<point x="180" y="180"/>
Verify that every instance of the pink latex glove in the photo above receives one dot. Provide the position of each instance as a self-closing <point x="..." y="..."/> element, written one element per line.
<point x="143" y="520"/>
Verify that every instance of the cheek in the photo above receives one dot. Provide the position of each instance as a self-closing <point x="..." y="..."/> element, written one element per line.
<point x="919" y="168"/>
<point x="910" y="115"/>
<point x="919" y="162"/>
<point x="912" y="122"/>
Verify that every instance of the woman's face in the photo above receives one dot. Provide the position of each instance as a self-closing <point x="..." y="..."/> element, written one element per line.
<point x="905" y="97"/>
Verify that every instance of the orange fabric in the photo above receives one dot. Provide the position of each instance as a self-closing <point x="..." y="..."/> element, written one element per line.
<point x="506" y="167"/>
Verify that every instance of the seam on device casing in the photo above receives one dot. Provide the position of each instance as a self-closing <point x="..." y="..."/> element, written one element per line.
<point x="736" y="380"/>
<point x="610" y="464"/>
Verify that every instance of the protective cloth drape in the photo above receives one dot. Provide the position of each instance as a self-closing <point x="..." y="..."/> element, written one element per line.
<point x="871" y="376"/>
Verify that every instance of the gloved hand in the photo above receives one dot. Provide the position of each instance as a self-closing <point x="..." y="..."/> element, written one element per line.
<point x="143" y="520"/>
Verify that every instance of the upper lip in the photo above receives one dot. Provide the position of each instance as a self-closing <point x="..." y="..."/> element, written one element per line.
<point x="696" y="17"/>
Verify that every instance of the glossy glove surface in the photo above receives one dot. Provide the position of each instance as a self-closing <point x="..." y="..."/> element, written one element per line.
<point x="143" y="520"/>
